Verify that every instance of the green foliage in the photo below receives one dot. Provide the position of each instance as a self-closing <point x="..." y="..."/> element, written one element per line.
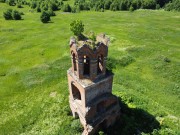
<point x="16" y="15"/>
<point x="107" y="4"/>
<point x="77" y="27"/>
<point x="149" y="4"/>
<point x="2" y="1"/>
<point x="38" y="9"/>
<point x="19" y="5"/>
<point x="92" y="36"/>
<point x="66" y="8"/>
<point x="115" y="5"/>
<point x="101" y="133"/>
<point x="76" y="126"/>
<point x="51" y="13"/>
<point x="45" y="17"/>
<point x="174" y="5"/>
<point x="12" y="14"/>
<point x="8" y="14"/>
<point x="33" y="4"/>
<point x="131" y="9"/>
<point x="162" y="3"/>
<point x="158" y="6"/>
<point x="11" y="2"/>
<point x="53" y="6"/>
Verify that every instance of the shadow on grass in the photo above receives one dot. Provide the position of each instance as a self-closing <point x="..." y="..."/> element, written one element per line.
<point x="50" y="22"/>
<point x="133" y="121"/>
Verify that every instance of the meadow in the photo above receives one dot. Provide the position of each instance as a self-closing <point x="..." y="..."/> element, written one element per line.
<point x="143" y="55"/>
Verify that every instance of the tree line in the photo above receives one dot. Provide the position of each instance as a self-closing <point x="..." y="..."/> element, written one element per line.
<point x="116" y="5"/>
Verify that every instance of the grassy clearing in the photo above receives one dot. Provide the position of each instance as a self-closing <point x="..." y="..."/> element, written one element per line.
<point x="34" y="58"/>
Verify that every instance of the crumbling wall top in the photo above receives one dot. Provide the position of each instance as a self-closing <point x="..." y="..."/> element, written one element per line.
<point x="89" y="47"/>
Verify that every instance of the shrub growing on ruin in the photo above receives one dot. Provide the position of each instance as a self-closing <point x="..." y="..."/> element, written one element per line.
<point x="77" y="27"/>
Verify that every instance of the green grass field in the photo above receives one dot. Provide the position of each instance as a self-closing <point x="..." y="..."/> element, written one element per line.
<point x="144" y="55"/>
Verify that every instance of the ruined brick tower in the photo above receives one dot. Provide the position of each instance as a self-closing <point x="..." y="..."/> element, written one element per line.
<point x="90" y="85"/>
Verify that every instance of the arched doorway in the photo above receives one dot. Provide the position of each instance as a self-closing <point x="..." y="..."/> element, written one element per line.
<point x="75" y="92"/>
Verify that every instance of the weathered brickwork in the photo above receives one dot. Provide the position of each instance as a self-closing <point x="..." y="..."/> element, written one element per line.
<point x="90" y="85"/>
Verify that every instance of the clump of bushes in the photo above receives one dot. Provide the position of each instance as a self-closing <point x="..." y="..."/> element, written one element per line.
<point x="46" y="5"/>
<point x="45" y="17"/>
<point x="115" y="5"/>
<point x="51" y="13"/>
<point x="174" y="5"/>
<point x="11" y="2"/>
<point x="66" y="8"/>
<point x="2" y="1"/>
<point x="12" y="15"/>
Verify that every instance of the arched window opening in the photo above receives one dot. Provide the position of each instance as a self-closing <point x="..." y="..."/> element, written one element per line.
<point x="86" y="65"/>
<point x="101" y="106"/>
<point x="75" y="92"/>
<point x="100" y="64"/>
<point x="74" y="62"/>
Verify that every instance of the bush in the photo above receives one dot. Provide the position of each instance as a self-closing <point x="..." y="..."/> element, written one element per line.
<point x="16" y="15"/>
<point x="8" y="14"/>
<point x="66" y="8"/>
<point x="53" y="6"/>
<point x="33" y="5"/>
<point x="2" y="1"/>
<point x="107" y="4"/>
<point x="158" y="6"/>
<point x="38" y="9"/>
<point x="149" y="4"/>
<point x="77" y="27"/>
<point x="21" y="13"/>
<point x="11" y="2"/>
<point x="174" y="5"/>
<point x="45" y="17"/>
<point x="51" y="12"/>
<point x="73" y="9"/>
<point x="19" y="5"/>
<point x="131" y="9"/>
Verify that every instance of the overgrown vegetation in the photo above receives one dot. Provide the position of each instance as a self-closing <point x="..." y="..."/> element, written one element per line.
<point x="77" y="27"/>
